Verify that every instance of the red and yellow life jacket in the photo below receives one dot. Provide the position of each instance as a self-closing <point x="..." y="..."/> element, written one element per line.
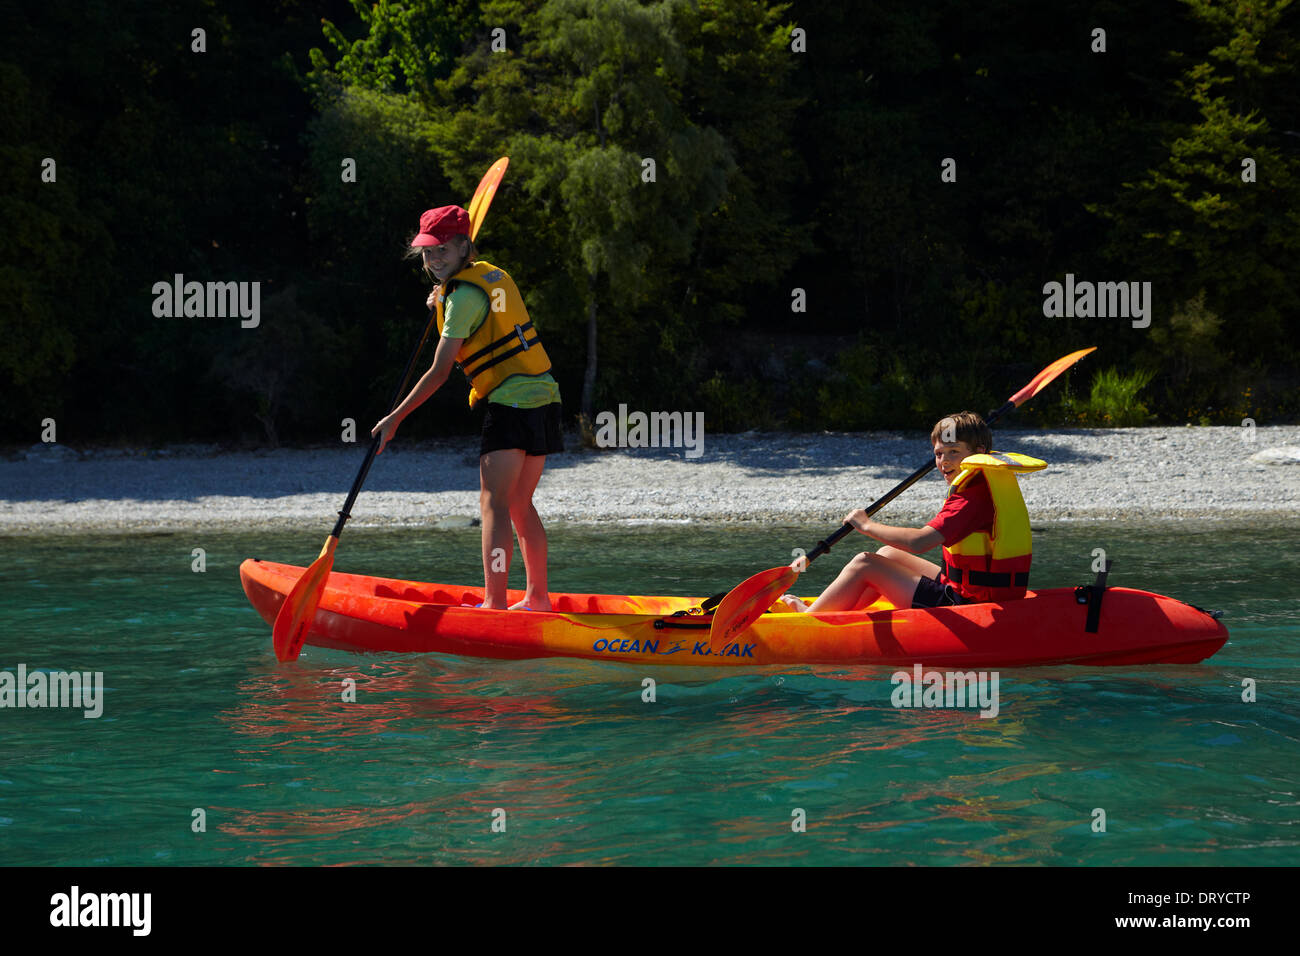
<point x="994" y="567"/>
<point x="506" y="343"/>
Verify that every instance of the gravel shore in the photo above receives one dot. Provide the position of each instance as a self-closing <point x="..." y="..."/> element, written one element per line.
<point x="1128" y="474"/>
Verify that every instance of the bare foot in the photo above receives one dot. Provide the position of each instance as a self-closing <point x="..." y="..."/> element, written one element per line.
<point x="794" y="604"/>
<point x="544" y="604"/>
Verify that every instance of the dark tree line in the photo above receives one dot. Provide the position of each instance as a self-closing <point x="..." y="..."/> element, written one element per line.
<point x="797" y="254"/>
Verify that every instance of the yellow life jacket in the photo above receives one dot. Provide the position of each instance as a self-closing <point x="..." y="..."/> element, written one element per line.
<point x="994" y="567"/>
<point x="506" y="343"/>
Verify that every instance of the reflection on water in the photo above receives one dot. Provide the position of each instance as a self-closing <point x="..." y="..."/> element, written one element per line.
<point x="288" y="771"/>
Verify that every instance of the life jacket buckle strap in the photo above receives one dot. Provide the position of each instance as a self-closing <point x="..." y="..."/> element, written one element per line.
<point x="986" y="579"/>
<point x="506" y="339"/>
<point x="519" y="331"/>
<point x="472" y="373"/>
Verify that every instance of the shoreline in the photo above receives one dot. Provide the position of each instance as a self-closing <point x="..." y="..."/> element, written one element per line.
<point x="1132" y="475"/>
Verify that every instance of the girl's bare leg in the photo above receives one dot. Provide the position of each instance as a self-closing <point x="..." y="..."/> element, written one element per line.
<point x="532" y="536"/>
<point x="499" y="472"/>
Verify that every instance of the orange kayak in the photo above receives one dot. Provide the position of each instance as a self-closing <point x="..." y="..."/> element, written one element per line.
<point x="382" y="615"/>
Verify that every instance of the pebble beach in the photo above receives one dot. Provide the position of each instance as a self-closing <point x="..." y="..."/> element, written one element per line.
<point x="1137" y="475"/>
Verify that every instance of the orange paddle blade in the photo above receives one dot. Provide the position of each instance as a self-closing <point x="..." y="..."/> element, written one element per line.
<point x="746" y="602"/>
<point x="1047" y="375"/>
<point x="487" y="188"/>
<point x="299" y="607"/>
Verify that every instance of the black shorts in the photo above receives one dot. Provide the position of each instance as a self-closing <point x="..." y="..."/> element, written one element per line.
<point x="930" y="593"/>
<point x="535" y="431"/>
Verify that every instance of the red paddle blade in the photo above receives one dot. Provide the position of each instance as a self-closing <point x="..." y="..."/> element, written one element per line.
<point x="299" y="607"/>
<point x="487" y="188"/>
<point x="746" y="602"/>
<point x="1048" y="375"/>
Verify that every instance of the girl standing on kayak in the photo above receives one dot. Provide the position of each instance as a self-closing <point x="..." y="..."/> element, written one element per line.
<point x="484" y="327"/>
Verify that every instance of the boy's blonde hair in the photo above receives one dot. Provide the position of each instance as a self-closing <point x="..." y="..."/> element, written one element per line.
<point x="967" y="427"/>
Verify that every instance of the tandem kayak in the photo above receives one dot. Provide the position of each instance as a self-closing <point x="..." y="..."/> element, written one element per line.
<point x="382" y="615"/>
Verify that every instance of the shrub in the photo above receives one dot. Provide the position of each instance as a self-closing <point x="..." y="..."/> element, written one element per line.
<point x="732" y="406"/>
<point x="1113" y="401"/>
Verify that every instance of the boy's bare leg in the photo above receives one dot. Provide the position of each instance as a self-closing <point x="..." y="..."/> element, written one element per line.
<point x="863" y="579"/>
<point x="913" y="562"/>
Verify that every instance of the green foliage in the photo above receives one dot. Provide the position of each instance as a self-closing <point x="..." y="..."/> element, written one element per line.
<point x="1193" y="359"/>
<point x="35" y="264"/>
<point x="774" y="170"/>
<point x="870" y="388"/>
<point x="596" y="83"/>
<point x="405" y="48"/>
<point x="736" y="405"/>
<point x="268" y="374"/>
<point x="360" y="226"/>
<point x="995" y="320"/>
<point x="1113" y="401"/>
<point x="167" y="162"/>
<point x="867" y="388"/>
<point x="740" y="81"/>
<point x="1192" y="222"/>
<point x="846" y="395"/>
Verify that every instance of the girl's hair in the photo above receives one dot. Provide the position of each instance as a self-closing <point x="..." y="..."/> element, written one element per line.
<point x="967" y="427"/>
<point x="417" y="252"/>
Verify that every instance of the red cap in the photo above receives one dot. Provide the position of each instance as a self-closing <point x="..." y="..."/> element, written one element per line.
<point x="439" y="225"/>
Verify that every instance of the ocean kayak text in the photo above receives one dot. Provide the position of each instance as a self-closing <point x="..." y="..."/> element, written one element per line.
<point x="700" y="648"/>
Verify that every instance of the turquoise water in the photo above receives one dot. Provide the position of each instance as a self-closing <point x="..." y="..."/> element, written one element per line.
<point x="199" y="716"/>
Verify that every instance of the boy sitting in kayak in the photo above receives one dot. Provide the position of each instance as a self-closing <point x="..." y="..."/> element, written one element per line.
<point x="983" y="527"/>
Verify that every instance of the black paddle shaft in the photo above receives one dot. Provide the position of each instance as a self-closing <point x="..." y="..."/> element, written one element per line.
<point x="824" y="545"/>
<point x="346" y="513"/>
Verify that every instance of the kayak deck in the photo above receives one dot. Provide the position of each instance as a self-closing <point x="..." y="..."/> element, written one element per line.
<point x="384" y="615"/>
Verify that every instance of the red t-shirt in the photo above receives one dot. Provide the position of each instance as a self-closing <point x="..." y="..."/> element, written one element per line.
<point x="967" y="510"/>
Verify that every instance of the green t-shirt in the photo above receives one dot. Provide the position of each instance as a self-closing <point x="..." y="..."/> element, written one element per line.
<point x="463" y="312"/>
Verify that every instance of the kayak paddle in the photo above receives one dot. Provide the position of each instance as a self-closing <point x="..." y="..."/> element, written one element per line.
<point x="299" y="607"/>
<point x="487" y="188"/>
<point x="746" y="603"/>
